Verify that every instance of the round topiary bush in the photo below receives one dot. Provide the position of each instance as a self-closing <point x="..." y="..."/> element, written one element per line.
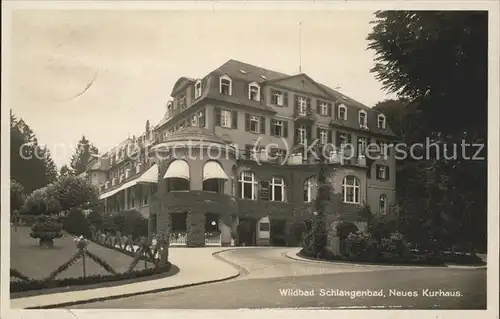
<point x="46" y="230"/>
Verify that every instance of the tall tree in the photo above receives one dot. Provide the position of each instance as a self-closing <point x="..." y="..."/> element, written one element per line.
<point x="29" y="163"/>
<point x="82" y="156"/>
<point x="437" y="61"/>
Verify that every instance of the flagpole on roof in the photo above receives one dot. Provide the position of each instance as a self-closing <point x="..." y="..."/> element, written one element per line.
<point x="300" y="46"/>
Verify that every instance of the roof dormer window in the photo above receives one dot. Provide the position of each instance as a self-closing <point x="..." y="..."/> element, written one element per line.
<point x="362" y="119"/>
<point x="381" y="121"/>
<point x="197" y="89"/>
<point x="254" y="92"/>
<point x="225" y="85"/>
<point x="342" y="112"/>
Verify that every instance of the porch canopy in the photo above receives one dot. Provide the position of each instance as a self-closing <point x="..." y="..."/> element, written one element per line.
<point x="178" y="169"/>
<point x="150" y="176"/>
<point x="212" y="170"/>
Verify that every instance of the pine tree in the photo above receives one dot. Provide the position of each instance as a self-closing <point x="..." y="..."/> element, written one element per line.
<point x="83" y="155"/>
<point x="66" y="170"/>
<point x="27" y="158"/>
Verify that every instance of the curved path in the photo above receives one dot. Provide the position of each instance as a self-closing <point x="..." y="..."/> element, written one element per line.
<point x="267" y="276"/>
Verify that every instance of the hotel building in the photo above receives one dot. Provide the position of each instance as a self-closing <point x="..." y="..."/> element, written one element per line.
<point x="258" y="122"/>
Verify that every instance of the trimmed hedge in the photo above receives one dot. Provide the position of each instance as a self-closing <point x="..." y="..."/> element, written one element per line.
<point x="27" y="285"/>
<point x="416" y="260"/>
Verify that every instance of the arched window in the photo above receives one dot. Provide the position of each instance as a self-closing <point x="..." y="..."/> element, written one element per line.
<point x="254" y="92"/>
<point x="277" y="189"/>
<point x="342" y="112"/>
<point x="247" y="185"/>
<point x="381" y="121"/>
<point x="197" y="89"/>
<point x="225" y="85"/>
<point x="362" y="119"/>
<point x="350" y="189"/>
<point x="310" y="189"/>
<point x="382" y="204"/>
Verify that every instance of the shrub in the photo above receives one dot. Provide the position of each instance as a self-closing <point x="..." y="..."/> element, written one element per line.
<point x="382" y="228"/>
<point x="396" y="244"/>
<point x="345" y="228"/>
<point x="296" y="234"/>
<point x="77" y="224"/>
<point x="130" y="222"/>
<point x="96" y="219"/>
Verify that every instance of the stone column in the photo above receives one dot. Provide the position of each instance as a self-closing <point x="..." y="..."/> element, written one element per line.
<point x="125" y="199"/>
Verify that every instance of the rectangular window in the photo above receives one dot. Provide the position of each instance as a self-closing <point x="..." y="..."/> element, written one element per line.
<point x="343" y="139"/>
<point x="201" y="118"/>
<point x="302" y="105"/>
<point x="197" y="90"/>
<point x="277" y="98"/>
<point x="253" y="93"/>
<point x="254" y="124"/>
<point x="362" y="119"/>
<point x="302" y="135"/>
<point x="382" y="172"/>
<point x="277" y="128"/>
<point x="225" y="87"/>
<point x="225" y="118"/>
<point x="362" y="142"/>
<point x="323" y="136"/>
<point x="323" y="106"/>
<point x="194" y="120"/>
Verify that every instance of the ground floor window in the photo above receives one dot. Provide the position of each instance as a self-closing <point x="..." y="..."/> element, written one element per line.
<point x="382" y="204"/>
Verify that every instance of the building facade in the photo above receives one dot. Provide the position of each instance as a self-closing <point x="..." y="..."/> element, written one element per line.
<point x="233" y="151"/>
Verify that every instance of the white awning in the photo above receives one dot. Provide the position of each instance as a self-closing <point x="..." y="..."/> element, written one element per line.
<point x="213" y="170"/>
<point x="177" y="169"/>
<point x="119" y="189"/>
<point x="150" y="176"/>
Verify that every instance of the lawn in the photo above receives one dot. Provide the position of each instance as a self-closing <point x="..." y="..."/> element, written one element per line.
<point x="37" y="263"/>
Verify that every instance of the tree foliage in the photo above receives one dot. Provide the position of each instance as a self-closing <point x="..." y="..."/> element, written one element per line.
<point x="17" y="195"/>
<point x="41" y="202"/>
<point x="83" y="155"/>
<point x="75" y="192"/>
<point x="31" y="163"/>
<point x="437" y="64"/>
<point x="66" y="170"/>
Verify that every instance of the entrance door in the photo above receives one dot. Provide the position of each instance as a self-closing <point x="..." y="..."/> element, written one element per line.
<point x="278" y="232"/>
<point x="247" y="230"/>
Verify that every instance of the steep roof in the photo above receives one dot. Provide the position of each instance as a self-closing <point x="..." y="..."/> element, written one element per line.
<point x="252" y="73"/>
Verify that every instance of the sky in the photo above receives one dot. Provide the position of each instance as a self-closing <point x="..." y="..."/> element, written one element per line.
<point x="131" y="60"/>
